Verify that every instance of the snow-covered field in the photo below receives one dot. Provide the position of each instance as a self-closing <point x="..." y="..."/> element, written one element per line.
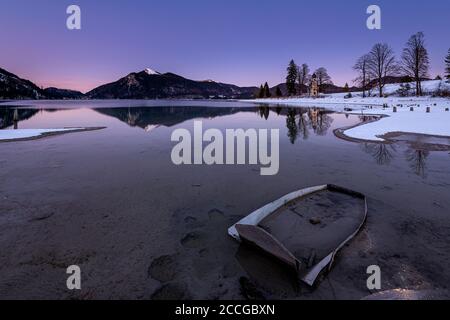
<point x="10" y="134"/>
<point x="436" y="122"/>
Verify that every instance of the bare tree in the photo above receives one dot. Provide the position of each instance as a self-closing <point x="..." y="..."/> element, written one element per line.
<point x="361" y="67"/>
<point x="447" y="66"/>
<point x="415" y="61"/>
<point x="303" y="77"/>
<point x="322" y="77"/>
<point x="382" y="64"/>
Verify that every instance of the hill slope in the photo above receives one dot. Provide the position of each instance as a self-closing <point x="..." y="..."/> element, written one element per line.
<point x="13" y="87"/>
<point x="152" y="85"/>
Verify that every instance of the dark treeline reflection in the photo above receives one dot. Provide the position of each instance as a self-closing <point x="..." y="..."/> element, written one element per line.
<point x="12" y="116"/>
<point x="301" y="121"/>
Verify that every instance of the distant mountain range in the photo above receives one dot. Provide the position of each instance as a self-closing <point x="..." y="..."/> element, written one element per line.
<point x="147" y="84"/>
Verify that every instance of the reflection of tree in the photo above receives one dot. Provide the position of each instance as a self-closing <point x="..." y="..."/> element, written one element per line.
<point x="278" y="110"/>
<point x="291" y="125"/>
<point x="303" y="124"/>
<point x="364" y="118"/>
<point x="264" y="112"/>
<point x="323" y="124"/>
<point x="381" y="152"/>
<point x="300" y="121"/>
<point x="417" y="161"/>
<point x="320" y="121"/>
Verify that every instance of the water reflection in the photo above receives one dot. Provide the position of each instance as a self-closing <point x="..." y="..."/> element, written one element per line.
<point x="11" y="117"/>
<point x="384" y="153"/>
<point x="417" y="161"/>
<point x="299" y="121"/>
<point x="144" y="117"/>
<point x="381" y="152"/>
<point x="301" y="124"/>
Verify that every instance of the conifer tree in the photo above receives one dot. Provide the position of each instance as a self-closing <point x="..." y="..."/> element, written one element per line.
<point x="291" y="78"/>
<point x="261" y="92"/>
<point x="346" y="88"/>
<point x="278" y="92"/>
<point x="267" y="93"/>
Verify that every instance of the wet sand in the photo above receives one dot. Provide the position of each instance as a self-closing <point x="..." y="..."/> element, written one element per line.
<point x="139" y="227"/>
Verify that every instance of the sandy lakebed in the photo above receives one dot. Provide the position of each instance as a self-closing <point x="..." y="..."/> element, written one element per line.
<point x="139" y="227"/>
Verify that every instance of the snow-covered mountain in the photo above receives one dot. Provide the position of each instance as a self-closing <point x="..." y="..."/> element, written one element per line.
<point x="150" y="84"/>
<point x="150" y="71"/>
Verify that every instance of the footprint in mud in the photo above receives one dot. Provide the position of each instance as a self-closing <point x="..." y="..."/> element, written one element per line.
<point x="172" y="291"/>
<point x="193" y="240"/>
<point x="190" y="219"/>
<point x="249" y="290"/>
<point x="215" y="213"/>
<point x="163" y="268"/>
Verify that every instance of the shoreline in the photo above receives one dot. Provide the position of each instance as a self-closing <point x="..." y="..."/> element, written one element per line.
<point x="50" y="134"/>
<point x="425" y="116"/>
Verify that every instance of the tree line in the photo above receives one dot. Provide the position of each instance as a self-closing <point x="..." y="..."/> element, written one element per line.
<point x="373" y="70"/>
<point x="298" y="78"/>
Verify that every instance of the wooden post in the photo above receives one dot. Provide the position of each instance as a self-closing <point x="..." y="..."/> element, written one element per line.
<point x="394" y="109"/>
<point x="428" y="109"/>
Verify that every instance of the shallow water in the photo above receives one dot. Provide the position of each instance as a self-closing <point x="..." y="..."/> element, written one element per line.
<point x="112" y="202"/>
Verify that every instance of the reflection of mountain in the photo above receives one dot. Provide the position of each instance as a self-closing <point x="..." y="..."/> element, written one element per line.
<point x="149" y="118"/>
<point x="8" y="116"/>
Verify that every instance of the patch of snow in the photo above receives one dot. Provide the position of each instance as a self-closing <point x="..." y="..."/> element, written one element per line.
<point x="150" y="128"/>
<point x="11" y="134"/>
<point x="437" y="122"/>
<point x="151" y="71"/>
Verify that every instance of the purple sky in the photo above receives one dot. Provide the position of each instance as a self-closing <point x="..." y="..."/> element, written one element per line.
<point x="243" y="42"/>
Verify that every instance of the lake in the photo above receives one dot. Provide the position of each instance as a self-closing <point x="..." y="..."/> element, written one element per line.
<point x="140" y="227"/>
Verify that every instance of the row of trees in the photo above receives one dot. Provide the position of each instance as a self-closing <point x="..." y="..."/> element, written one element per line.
<point x="298" y="77"/>
<point x="374" y="70"/>
<point x="264" y="91"/>
<point x="375" y="67"/>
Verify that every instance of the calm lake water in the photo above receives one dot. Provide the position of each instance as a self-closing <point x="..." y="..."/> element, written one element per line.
<point x="113" y="202"/>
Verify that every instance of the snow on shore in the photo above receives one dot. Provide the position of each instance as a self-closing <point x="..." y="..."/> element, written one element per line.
<point x="437" y="122"/>
<point x="10" y="134"/>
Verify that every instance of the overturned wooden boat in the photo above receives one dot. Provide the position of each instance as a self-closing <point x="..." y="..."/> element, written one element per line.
<point x="306" y="228"/>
